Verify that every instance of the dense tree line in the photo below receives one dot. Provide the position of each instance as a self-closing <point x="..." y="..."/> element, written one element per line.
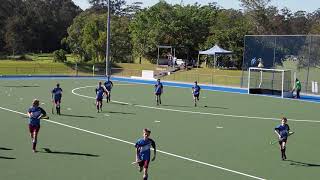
<point x="47" y="25"/>
<point x="87" y="35"/>
<point x="35" y="25"/>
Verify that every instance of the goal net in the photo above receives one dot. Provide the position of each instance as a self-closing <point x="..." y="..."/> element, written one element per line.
<point x="270" y="81"/>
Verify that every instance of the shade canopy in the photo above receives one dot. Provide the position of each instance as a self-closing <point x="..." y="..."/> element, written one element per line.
<point x="215" y="50"/>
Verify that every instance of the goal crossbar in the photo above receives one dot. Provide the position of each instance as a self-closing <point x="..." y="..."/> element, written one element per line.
<point x="269" y="81"/>
<point x="264" y="69"/>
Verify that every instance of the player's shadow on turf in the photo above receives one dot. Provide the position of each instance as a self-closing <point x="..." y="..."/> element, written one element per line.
<point x="298" y="163"/>
<point x="7" y="149"/>
<point x="47" y="150"/>
<point x="21" y="86"/>
<point x="117" y="112"/>
<point x="71" y="115"/>
<point x="215" y="107"/>
<point x="3" y="157"/>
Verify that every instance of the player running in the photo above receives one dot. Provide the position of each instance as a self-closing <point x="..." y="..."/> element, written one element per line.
<point x="108" y="85"/>
<point x="100" y="91"/>
<point x="143" y="152"/>
<point x="158" y="90"/>
<point x="56" y="98"/>
<point x="35" y="113"/>
<point x="196" y="92"/>
<point x="283" y="131"/>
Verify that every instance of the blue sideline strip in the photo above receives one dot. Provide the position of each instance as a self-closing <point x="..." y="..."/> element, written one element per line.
<point x="308" y="98"/>
<point x="183" y="85"/>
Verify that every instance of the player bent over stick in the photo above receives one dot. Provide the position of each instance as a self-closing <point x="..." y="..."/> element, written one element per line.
<point x="35" y="113"/>
<point x="283" y="132"/>
<point x="196" y="92"/>
<point x="143" y="152"/>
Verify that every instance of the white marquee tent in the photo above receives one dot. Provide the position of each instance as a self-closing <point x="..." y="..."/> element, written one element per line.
<point x="214" y="51"/>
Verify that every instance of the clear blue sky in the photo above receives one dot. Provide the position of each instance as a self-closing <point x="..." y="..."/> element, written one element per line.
<point x="294" y="5"/>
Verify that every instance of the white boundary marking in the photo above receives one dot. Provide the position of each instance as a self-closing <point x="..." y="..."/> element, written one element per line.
<point x="195" y="112"/>
<point x="127" y="142"/>
<point x="220" y="90"/>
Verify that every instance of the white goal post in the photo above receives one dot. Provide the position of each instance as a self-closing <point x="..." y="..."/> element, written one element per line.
<point x="270" y="81"/>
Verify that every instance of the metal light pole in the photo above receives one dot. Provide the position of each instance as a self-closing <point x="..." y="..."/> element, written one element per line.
<point x="108" y="65"/>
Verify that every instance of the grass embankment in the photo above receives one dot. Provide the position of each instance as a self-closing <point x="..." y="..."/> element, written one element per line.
<point x="130" y="69"/>
<point x="208" y="76"/>
<point x="43" y="65"/>
<point x="46" y="66"/>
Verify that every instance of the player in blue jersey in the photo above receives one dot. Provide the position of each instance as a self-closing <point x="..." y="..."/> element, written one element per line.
<point x="196" y="92"/>
<point x="158" y="90"/>
<point x="100" y="91"/>
<point x="35" y="113"/>
<point x="56" y="98"/>
<point x="283" y="131"/>
<point x="108" y="85"/>
<point x="143" y="152"/>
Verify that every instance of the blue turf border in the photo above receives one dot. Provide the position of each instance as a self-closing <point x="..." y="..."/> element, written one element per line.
<point x="307" y="98"/>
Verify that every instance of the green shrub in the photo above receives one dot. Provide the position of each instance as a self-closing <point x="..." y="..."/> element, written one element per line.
<point x="59" y="56"/>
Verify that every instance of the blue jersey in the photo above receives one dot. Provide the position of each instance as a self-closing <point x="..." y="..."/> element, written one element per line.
<point x="196" y="89"/>
<point x="99" y="92"/>
<point x="283" y="130"/>
<point x="108" y="84"/>
<point x="35" y="117"/>
<point x="57" y="93"/>
<point x="158" y="88"/>
<point x="144" y="147"/>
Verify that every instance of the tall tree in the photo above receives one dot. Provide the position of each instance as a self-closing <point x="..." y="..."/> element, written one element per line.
<point x="184" y="27"/>
<point x="40" y="23"/>
<point x="228" y="31"/>
<point x="87" y="37"/>
<point x="8" y="8"/>
<point x="16" y="34"/>
<point x="258" y="11"/>
<point x="117" y="7"/>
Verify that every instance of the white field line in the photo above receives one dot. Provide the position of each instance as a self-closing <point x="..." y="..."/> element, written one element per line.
<point x="196" y="112"/>
<point x="127" y="142"/>
<point x="93" y="97"/>
<point x="289" y="99"/>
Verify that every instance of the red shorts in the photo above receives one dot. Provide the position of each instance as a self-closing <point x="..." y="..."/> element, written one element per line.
<point x="144" y="163"/>
<point x="56" y="101"/>
<point x="33" y="128"/>
<point x="282" y="140"/>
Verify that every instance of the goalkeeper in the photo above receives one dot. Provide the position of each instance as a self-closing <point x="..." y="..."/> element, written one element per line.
<point x="297" y="88"/>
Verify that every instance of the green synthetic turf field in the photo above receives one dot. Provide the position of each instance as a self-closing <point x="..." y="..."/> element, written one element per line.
<point x="227" y="139"/>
